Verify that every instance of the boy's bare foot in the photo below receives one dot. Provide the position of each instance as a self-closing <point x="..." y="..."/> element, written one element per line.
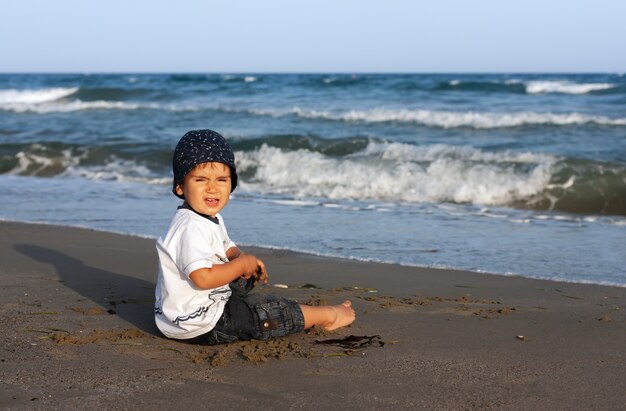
<point x="345" y="316"/>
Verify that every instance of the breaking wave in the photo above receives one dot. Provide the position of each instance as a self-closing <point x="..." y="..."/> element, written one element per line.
<point x="405" y="173"/>
<point x="358" y="169"/>
<point x="95" y="163"/>
<point x="565" y="87"/>
<point x="450" y="119"/>
<point x="13" y="96"/>
<point x="526" y="87"/>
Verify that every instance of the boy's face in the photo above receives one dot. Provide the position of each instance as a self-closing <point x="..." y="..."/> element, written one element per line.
<point x="206" y="188"/>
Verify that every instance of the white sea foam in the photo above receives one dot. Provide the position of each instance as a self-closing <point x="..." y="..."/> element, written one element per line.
<point x="119" y="170"/>
<point x="551" y="86"/>
<point x="430" y="153"/>
<point x="566" y="87"/>
<point x="448" y="119"/>
<point x="115" y="169"/>
<point x="54" y="100"/>
<point x="36" y="96"/>
<point x="38" y="161"/>
<point x="63" y="107"/>
<point x="246" y="79"/>
<point x="432" y="118"/>
<point x="79" y="105"/>
<point x="431" y="174"/>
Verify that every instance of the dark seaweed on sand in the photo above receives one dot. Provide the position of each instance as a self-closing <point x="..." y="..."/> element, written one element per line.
<point x="354" y="342"/>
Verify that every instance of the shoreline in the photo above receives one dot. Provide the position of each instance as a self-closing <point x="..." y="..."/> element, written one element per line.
<point x="329" y="256"/>
<point x="79" y="333"/>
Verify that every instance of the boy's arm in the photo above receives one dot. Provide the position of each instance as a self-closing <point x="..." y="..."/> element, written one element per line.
<point x="244" y="265"/>
<point x="233" y="253"/>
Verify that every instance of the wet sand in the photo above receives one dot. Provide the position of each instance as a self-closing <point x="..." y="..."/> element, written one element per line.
<point x="78" y="332"/>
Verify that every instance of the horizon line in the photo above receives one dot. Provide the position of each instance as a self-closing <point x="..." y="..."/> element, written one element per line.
<point x="461" y="72"/>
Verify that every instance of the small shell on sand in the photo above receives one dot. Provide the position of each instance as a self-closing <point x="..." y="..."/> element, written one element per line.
<point x="281" y="286"/>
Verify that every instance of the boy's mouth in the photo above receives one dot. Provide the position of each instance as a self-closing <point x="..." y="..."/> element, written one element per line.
<point x="211" y="202"/>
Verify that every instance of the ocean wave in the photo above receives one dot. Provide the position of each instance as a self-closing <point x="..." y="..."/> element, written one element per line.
<point x="449" y="119"/>
<point x="53" y="100"/>
<point x="482" y="86"/>
<point x="192" y="78"/>
<point x="70" y="99"/>
<point x="403" y="173"/>
<point x="517" y="86"/>
<point x="381" y="172"/>
<point x="440" y="174"/>
<point x="341" y="81"/>
<point x="331" y="147"/>
<point x="565" y="87"/>
<point x="79" y="105"/>
<point x="582" y="186"/>
<point x="40" y="160"/>
<point x="34" y="96"/>
<point x="429" y="118"/>
<point x="94" y="163"/>
<point x="119" y="170"/>
<point x="70" y="106"/>
<point x="430" y="153"/>
<point x="114" y="93"/>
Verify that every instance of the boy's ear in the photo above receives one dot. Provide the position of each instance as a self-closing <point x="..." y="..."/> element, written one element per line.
<point x="179" y="189"/>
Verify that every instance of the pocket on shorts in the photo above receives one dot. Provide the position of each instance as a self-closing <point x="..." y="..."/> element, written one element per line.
<point x="275" y="319"/>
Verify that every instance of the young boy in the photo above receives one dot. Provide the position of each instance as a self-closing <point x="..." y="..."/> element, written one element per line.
<point x="204" y="279"/>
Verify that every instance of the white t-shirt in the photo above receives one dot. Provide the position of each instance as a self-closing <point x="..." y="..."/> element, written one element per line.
<point x="192" y="241"/>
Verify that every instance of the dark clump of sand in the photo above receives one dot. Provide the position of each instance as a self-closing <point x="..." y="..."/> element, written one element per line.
<point x="216" y="356"/>
<point x="261" y="351"/>
<point x="99" y="335"/>
<point x="78" y="332"/>
<point x="248" y="351"/>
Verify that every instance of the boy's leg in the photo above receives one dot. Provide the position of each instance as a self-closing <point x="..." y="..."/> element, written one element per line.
<point x="274" y="316"/>
<point x="279" y="316"/>
<point x="330" y="317"/>
<point x="236" y="323"/>
<point x="264" y="316"/>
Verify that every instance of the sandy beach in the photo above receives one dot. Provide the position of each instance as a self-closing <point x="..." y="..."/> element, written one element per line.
<point x="78" y="332"/>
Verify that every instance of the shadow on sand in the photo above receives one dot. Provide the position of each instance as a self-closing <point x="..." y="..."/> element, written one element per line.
<point x="130" y="298"/>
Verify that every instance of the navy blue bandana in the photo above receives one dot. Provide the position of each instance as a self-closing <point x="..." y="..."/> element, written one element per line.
<point x="201" y="146"/>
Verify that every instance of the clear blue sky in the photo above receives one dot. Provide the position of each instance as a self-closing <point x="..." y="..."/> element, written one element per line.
<point x="313" y="36"/>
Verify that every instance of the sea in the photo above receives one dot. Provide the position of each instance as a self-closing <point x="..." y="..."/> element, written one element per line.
<point x="514" y="174"/>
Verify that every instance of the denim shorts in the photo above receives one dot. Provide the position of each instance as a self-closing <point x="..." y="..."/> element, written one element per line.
<point x="256" y="316"/>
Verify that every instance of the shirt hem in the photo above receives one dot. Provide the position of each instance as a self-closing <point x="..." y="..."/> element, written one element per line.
<point x="187" y="336"/>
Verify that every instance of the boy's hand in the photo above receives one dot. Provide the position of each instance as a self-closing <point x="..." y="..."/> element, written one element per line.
<point x="250" y="265"/>
<point x="261" y="272"/>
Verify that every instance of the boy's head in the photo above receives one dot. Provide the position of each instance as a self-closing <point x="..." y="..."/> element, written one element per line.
<point x="197" y="147"/>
